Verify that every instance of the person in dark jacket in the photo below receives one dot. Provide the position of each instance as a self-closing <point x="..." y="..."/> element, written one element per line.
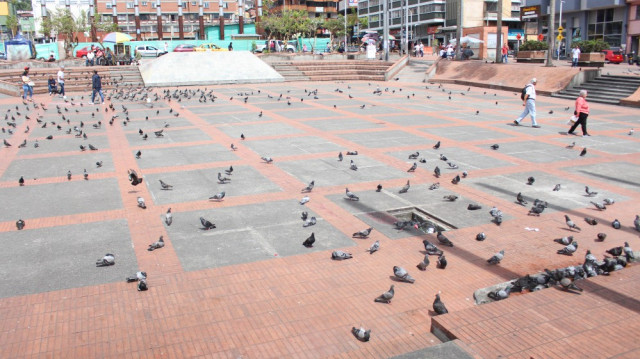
<point x="96" y="84"/>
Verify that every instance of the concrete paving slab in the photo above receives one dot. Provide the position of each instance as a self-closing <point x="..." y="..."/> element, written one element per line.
<point x="372" y="110"/>
<point x="292" y="146"/>
<point x="413" y="120"/>
<point x="465" y="159"/>
<point x="281" y="105"/>
<point x="235" y="117"/>
<point x="51" y="259"/>
<point x="59" y="199"/>
<point x="259" y="129"/>
<point x="58" y="166"/>
<point x="466" y="133"/>
<point x="342" y="124"/>
<point x="220" y="106"/>
<point x="68" y="143"/>
<point x="539" y="152"/>
<point x="199" y="185"/>
<point x="156" y="123"/>
<point x="623" y="174"/>
<point x="310" y="112"/>
<point x="184" y="155"/>
<point x="381" y="139"/>
<point x="249" y="233"/>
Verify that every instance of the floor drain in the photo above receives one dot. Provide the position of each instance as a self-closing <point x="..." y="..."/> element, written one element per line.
<point x="422" y="218"/>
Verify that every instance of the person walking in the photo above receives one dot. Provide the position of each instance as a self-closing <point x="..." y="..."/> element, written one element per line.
<point x="96" y="85"/>
<point x="582" y="111"/>
<point x="505" y="53"/>
<point x="61" y="81"/>
<point x="230" y="48"/>
<point x="27" y="85"/>
<point x="575" y="56"/>
<point x="529" y="102"/>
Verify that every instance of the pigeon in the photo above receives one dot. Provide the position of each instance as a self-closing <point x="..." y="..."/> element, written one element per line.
<point x="156" y="245"/>
<point x="206" y="225"/>
<point x="309" y="241"/>
<point x="557" y="187"/>
<point x="138" y="154"/>
<point x="591" y="221"/>
<point x="20" y="224"/>
<point x="414" y="156"/>
<point x="168" y="218"/>
<point x="631" y="132"/>
<point x="141" y="203"/>
<point x="138" y="277"/>
<point x="436" y="172"/>
<point x="304" y="200"/>
<point x="360" y="333"/>
<point x="436" y="146"/>
<point x="424" y="264"/>
<point x="309" y="187"/>
<point x="218" y="196"/>
<point x="340" y="157"/>
<point x="570" y="223"/>
<point x="572" y="145"/>
<point x="564" y="240"/>
<point x="602" y="237"/>
<point x="495" y="146"/>
<point x="92" y="147"/>
<point x="431" y="248"/>
<point x="133" y="177"/>
<point x="413" y="167"/>
<point x="567" y="284"/>
<point x="438" y="306"/>
<point x="481" y="236"/>
<point x="474" y="207"/>
<point x="636" y="223"/>
<point x="304" y="216"/>
<point x="6" y="144"/>
<point x="615" y="251"/>
<point x="496" y="258"/>
<point x="21" y="181"/>
<point x="452" y="165"/>
<point x="233" y="147"/>
<point x="599" y="206"/>
<point x="444" y="240"/>
<point x="386" y="296"/>
<point x="82" y="148"/>
<point x="405" y="188"/>
<point x="521" y="199"/>
<point x="69" y="175"/>
<point x="451" y="197"/>
<point x="402" y="275"/>
<point x="374" y="247"/>
<point x="353" y="166"/>
<point x="351" y="196"/>
<point x="222" y="180"/>
<point x="628" y="252"/>
<point x="499" y="294"/>
<point x="142" y="285"/>
<point x="363" y="233"/>
<point x="310" y="222"/>
<point x="229" y="171"/>
<point x="589" y="192"/>
<point x="456" y="179"/>
<point x="615" y="224"/>
<point x="242" y="136"/>
<point x="530" y="180"/>
<point x="608" y="201"/>
<point x="569" y="249"/>
<point x="267" y="159"/>
<point x="443" y="157"/>
<point x="442" y="261"/>
<point x="434" y="186"/>
<point x="340" y="255"/>
<point x="108" y="260"/>
<point x="85" y="175"/>
<point x="583" y="152"/>
<point x="164" y="185"/>
<point x="378" y="188"/>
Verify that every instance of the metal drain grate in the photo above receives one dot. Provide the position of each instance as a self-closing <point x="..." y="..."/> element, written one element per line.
<point x="422" y="218"/>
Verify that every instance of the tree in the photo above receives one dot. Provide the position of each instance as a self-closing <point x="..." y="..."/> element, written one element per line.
<point x="12" y="24"/>
<point x="21" y="5"/>
<point x="335" y="27"/>
<point x="67" y="27"/>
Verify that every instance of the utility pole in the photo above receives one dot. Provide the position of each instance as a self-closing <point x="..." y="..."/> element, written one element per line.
<point x="180" y="21"/>
<point x="240" y="17"/>
<point x="159" y="18"/>
<point x="201" y="19"/>
<point x="499" y="34"/>
<point x="221" y="16"/>
<point x="385" y="29"/>
<point x="459" y="29"/>
<point x="136" y="14"/>
<point x="258" y="17"/>
<point x="551" y="33"/>
<point x="114" y="7"/>
<point x="406" y="27"/>
<point x="346" y="5"/>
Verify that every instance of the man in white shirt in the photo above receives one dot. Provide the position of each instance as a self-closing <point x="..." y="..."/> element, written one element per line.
<point x="61" y="81"/>
<point x="90" y="57"/>
<point x="575" y="52"/>
<point x="529" y="104"/>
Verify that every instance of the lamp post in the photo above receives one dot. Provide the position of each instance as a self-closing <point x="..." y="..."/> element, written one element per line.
<point x="560" y="27"/>
<point x="550" y="32"/>
<point x="346" y="4"/>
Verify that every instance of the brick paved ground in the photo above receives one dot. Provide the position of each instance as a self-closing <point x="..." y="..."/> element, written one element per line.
<point x="249" y="288"/>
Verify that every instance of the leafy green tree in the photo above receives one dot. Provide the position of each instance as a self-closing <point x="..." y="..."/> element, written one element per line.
<point x="67" y="27"/>
<point x="21" y="5"/>
<point x="12" y="24"/>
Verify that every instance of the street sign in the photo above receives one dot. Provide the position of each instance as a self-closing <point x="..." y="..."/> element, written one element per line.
<point x="518" y="36"/>
<point x="560" y="37"/>
<point x="560" y="29"/>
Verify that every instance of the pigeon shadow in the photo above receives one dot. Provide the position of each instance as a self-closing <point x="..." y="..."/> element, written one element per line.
<point x="398" y="280"/>
<point x="566" y="290"/>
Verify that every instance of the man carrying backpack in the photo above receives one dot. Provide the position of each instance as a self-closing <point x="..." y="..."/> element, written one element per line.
<point x="529" y="102"/>
<point x="96" y="84"/>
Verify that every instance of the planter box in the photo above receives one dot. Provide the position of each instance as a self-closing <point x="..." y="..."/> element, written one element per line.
<point x="531" y="56"/>
<point x="592" y="57"/>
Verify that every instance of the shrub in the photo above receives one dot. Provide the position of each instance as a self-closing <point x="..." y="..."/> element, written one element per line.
<point x="591" y="45"/>
<point x="533" y="45"/>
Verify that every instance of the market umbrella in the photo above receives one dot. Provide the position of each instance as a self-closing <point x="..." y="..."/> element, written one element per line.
<point x="116" y="37"/>
<point x="467" y="40"/>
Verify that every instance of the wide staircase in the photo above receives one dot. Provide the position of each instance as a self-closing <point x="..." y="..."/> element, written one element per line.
<point x="324" y="70"/>
<point x="608" y="89"/>
<point x="77" y="79"/>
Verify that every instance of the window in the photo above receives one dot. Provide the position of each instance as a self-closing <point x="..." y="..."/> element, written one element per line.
<point x="606" y="25"/>
<point x="144" y="3"/>
<point x="206" y="5"/>
<point x="637" y="12"/>
<point x="108" y="6"/>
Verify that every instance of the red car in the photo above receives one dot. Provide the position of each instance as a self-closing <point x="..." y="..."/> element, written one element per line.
<point x="614" y="57"/>
<point x="185" y="48"/>
<point x="83" y="52"/>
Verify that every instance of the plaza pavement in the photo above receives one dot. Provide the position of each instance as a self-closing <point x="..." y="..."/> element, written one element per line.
<point x="249" y="289"/>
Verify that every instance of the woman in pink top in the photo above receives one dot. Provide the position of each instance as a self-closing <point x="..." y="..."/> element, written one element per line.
<point x="582" y="111"/>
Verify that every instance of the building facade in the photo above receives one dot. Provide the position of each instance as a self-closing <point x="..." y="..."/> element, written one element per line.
<point x="633" y="27"/>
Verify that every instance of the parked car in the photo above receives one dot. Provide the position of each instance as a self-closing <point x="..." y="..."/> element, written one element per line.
<point x="612" y="56"/>
<point x="209" y="47"/>
<point x="82" y="53"/>
<point x="185" y="48"/>
<point x="3" y="56"/>
<point x="279" y="45"/>
<point x="148" y="51"/>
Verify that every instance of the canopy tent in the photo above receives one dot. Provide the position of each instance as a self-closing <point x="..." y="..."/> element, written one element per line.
<point x="116" y="37"/>
<point x="18" y="48"/>
<point x="467" y="40"/>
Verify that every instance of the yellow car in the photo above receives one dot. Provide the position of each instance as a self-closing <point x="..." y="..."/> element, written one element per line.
<point x="209" y="47"/>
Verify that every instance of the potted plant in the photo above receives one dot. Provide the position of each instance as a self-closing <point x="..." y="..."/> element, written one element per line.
<point x="591" y="50"/>
<point x="532" y="51"/>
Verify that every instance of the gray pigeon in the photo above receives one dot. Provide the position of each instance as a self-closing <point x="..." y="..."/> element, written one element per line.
<point x="628" y="252"/>
<point x="156" y="245"/>
<point x="340" y="255"/>
<point x="451" y="197"/>
<point x="309" y="188"/>
<point x="165" y="186"/>
<point x="636" y="223"/>
<point x="413" y="167"/>
<point x="309" y="222"/>
<point x="405" y="188"/>
<point x="557" y="187"/>
<point x="168" y="217"/>
<point x="137" y="277"/>
<point x="481" y="236"/>
<point x="353" y="166"/>
<point x="599" y="206"/>
<point x="569" y="249"/>
<point x="444" y="240"/>
<point x="500" y="294"/>
<point x="304" y="216"/>
<point x="142" y="285"/>
<point x="521" y="199"/>
<point x="442" y="261"/>
<point x="589" y="192"/>
<point x="564" y="240"/>
<point x="206" y="224"/>
<point x="438" y="306"/>
<point x="615" y="224"/>
<point x="567" y="284"/>
<point x="570" y="223"/>
<point x="218" y="196"/>
<point x="436" y="172"/>
<point x="141" y="203"/>
<point x="108" y="260"/>
<point x="340" y="157"/>
<point x="424" y="264"/>
<point x="304" y="200"/>
<point x="363" y="233"/>
<point x="431" y="248"/>
<point x="361" y="334"/>
<point x="309" y="241"/>
<point x="222" y="180"/>
<point x="386" y="296"/>
<point x="414" y="156"/>
<point x="267" y="159"/>
<point x="496" y="258"/>
<point x="402" y="275"/>
<point x="20" y="224"/>
<point x="351" y="196"/>
<point x="374" y="247"/>
<point x="608" y="201"/>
